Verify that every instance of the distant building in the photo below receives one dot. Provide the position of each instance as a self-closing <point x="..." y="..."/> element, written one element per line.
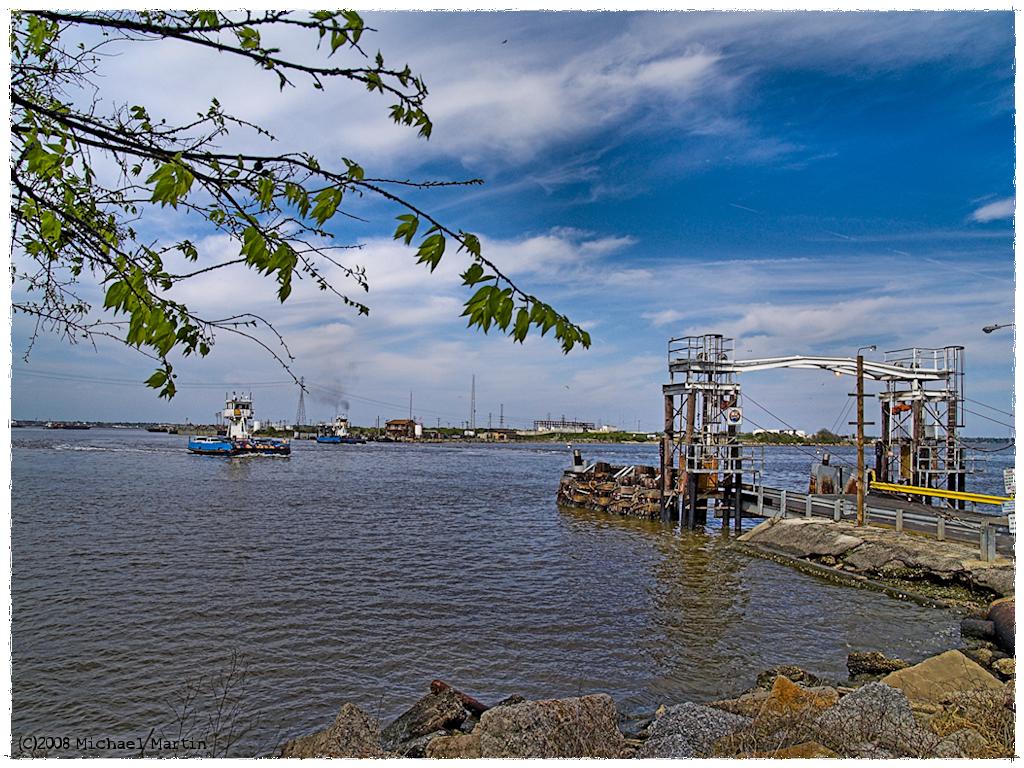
<point x="497" y="435"/>
<point x="403" y="429"/>
<point x="791" y="432"/>
<point x="562" y="425"/>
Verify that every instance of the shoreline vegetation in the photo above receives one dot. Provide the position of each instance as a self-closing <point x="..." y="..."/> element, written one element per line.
<point x="821" y="438"/>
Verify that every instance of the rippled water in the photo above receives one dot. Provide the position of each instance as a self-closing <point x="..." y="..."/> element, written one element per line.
<point x="359" y="573"/>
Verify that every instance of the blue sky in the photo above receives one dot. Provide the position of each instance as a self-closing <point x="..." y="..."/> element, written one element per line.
<point x="805" y="182"/>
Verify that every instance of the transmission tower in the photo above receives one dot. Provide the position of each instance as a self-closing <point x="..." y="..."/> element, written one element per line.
<point x="472" y="403"/>
<point x="300" y="414"/>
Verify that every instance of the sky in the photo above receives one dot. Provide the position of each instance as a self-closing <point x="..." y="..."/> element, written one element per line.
<point x="806" y="183"/>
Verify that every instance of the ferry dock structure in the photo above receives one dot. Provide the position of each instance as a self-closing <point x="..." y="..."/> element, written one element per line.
<point x="916" y="481"/>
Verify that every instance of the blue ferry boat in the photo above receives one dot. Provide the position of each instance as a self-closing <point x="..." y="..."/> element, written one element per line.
<point x="215" y="446"/>
<point x="239" y="440"/>
<point x="337" y="433"/>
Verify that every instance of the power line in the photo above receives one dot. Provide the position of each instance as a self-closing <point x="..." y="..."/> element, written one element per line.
<point x="137" y="383"/>
<point x="842" y="415"/>
<point x="992" y="407"/>
<point x="989" y="418"/>
<point x="801" y="448"/>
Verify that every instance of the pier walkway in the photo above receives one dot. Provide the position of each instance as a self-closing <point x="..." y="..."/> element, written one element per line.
<point x="990" y="532"/>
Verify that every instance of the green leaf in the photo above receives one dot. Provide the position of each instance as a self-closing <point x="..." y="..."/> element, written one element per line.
<point x="522" y="326"/>
<point x="407" y="229"/>
<point x="248" y="38"/>
<point x="326" y="204"/>
<point x="431" y="250"/>
<point x="475" y="274"/>
<point x="157" y="379"/>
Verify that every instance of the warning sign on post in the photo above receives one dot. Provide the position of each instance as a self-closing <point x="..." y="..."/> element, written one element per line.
<point x="1008" y="482"/>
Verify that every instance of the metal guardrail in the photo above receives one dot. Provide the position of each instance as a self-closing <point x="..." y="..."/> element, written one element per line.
<point x="917" y="490"/>
<point x="760" y="501"/>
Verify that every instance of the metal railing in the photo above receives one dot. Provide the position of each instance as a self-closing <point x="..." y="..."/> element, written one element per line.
<point x="990" y="536"/>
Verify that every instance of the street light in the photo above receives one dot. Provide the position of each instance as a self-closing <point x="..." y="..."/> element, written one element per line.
<point x="860" y="430"/>
<point x="990" y="328"/>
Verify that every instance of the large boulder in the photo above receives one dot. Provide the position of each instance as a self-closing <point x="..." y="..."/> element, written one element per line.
<point x="998" y="579"/>
<point x="934" y="680"/>
<point x="1001" y="614"/>
<point x="353" y="734"/>
<point x="802" y="537"/>
<point x="576" y="727"/>
<point x="460" y="745"/>
<point x="965" y="742"/>
<point x="748" y="704"/>
<point x="977" y="629"/>
<point x="434" y="712"/>
<point x="907" y="557"/>
<point x="689" y="730"/>
<point x="874" y="721"/>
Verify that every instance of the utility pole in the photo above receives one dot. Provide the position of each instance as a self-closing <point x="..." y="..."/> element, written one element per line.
<point x="410" y="406"/>
<point x="501" y="415"/>
<point x="860" y="438"/>
<point x="860" y="433"/>
<point x="472" y="403"/>
<point x="300" y="413"/>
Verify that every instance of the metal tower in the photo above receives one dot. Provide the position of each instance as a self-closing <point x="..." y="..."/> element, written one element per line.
<point x="472" y="403"/>
<point x="300" y="414"/>
<point x="701" y="457"/>
<point x="920" y="419"/>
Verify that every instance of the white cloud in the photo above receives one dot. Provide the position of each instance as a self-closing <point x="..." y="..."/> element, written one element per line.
<point x="664" y="317"/>
<point x="999" y="209"/>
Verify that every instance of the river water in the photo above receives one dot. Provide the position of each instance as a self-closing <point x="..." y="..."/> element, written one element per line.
<point x="359" y="573"/>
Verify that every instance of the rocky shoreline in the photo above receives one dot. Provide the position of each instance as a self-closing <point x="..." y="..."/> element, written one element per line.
<point x="909" y="565"/>
<point x="959" y="703"/>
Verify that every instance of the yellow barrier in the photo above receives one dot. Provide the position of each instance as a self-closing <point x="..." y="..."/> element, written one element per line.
<point x="916" y="490"/>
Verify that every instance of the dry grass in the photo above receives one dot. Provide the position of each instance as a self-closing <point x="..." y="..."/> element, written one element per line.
<point x="774" y="731"/>
<point x="985" y="712"/>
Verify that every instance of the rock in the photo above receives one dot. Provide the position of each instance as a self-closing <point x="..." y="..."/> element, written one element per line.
<point x="635" y="726"/>
<point x="471" y="704"/>
<point x="806" y="749"/>
<point x="434" y="712"/>
<point x="748" y="705"/>
<point x="577" y="727"/>
<point x="997" y="579"/>
<point x="353" y="734"/>
<point x="872" y="718"/>
<point x="787" y="699"/>
<point x="801" y="537"/>
<point x="966" y="742"/>
<point x="508" y="701"/>
<point x="935" y="679"/>
<point x="767" y="678"/>
<point x="899" y="556"/>
<point x="981" y="655"/>
<point x="872" y="663"/>
<point x="1005" y="667"/>
<point x="1000" y="613"/>
<point x="417" y="747"/>
<point x="461" y="745"/>
<point x="689" y="730"/>
<point x="978" y="629"/>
